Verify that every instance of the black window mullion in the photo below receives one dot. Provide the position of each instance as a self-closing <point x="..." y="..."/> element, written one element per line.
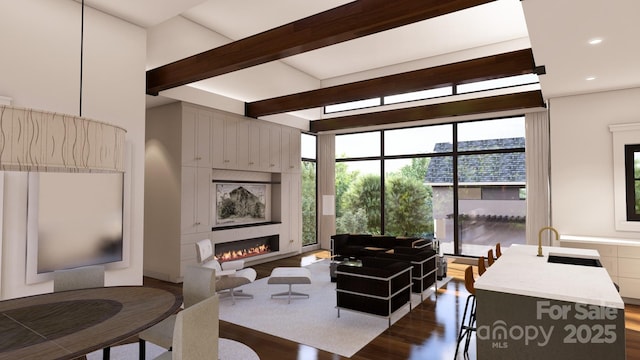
<point x="456" y="228"/>
<point x="382" y="182"/>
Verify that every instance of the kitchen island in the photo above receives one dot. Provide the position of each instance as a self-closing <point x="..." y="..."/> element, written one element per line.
<point x="530" y="308"/>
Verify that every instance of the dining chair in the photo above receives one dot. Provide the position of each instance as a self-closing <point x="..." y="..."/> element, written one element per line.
<point x="498" y="251"/>
<point x="78" y="278"/>
<point x="470" y="326"/>
<point x="490" y="258"/>
<point x="481" y="266"/>
<point x="84" y="277"/>
<point x="229" y="274"/>
<point x="195" y="333"/>
<point x="198" y="284"/>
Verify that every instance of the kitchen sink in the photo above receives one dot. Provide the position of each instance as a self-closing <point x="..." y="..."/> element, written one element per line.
<point x="557" y="259"/>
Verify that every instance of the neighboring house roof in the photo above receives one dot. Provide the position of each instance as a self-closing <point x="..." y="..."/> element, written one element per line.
<point x="485" y="168"/>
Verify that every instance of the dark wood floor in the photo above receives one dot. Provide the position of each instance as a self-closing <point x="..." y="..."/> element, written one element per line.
<point x="427" y="332"/>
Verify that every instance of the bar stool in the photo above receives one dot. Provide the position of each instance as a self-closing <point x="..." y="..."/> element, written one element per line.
<point x="470" y="325"/>
<point x="490" y="257"/>
<point x="481" y="266"/>
<point x="498" y="251"/>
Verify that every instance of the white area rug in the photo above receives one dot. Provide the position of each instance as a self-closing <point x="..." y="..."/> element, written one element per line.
<point x="227" y="350"/>
<point x="312" y="321"/>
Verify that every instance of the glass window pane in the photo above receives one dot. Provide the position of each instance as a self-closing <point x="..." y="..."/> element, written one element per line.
<point x="418" y="95"/>
<point x="636" y="185"/>
<point x="360" y="104"/>
<point x="420" y="140"/>
<point x="308" y="146"/>
<point x="636" y="165"/>
<point x="309" y="203"/>
<point x="358" y="145"/>
<point x="408" y="200"/>
<point x="439" y="177"/>
<point x="358" y="200"/>
<point x="498" y="83"/>
<point x="500" y="169"/>
<point x="491" y="134"/>
<point x="491" y="207"/>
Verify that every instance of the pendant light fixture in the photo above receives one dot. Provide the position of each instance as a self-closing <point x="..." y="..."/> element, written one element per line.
<point x="37" y="140"/>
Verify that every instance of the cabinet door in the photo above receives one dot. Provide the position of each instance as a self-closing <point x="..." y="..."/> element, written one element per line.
<point x="203" y="139"/>
<point x="189" y="131"/>
<point x="275" y="152"/>
<point x="294" y="151"/>
<point x="195" y="208"/>
<point x="286" y="139"/>
<point x="243" y="145"/>
<point x="295" y="212"/>
<point x="203" y="200"/>
<point x="230" y="143"/>
<point x="217" y="141"/>
<point x="254" y="146"/>
<point x="290" y="150"/>
<point x="188" y="200"/>
<point x="265" y="151"/>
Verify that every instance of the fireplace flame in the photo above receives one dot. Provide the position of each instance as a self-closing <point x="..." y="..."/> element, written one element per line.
<point x="243" y="253"/>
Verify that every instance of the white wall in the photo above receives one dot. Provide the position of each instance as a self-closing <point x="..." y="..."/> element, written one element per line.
<point x="582" y="192"/>
<point x="39" y="68"/>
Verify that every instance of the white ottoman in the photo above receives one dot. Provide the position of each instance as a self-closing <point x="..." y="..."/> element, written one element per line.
<point x="289" y="276"/>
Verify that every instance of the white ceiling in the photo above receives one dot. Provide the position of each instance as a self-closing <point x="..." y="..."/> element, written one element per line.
<point x="557" y="31"/>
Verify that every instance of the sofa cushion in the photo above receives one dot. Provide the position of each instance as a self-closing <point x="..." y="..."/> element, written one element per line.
<point x="383" y="241"/>
<point x="359" y="240"/>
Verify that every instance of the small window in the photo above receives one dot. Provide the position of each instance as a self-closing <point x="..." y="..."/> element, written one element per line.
<point x="352" y="105"/>
<point x="632" y="181"/>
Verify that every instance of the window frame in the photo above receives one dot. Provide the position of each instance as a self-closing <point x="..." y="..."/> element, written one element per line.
<point x="630" y="180"/>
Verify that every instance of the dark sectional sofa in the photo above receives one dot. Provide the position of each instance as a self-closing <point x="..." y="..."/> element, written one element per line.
<point x="423" y="260"/>
<point x="380" y="286"/>
<point x="360" y="245"/>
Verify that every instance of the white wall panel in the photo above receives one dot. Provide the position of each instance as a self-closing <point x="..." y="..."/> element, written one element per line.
<point x="582" y="197"/>
<point x="40" y="69"/>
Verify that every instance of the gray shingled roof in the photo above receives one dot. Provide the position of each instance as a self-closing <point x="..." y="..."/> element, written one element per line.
<point x="485" y="168"/>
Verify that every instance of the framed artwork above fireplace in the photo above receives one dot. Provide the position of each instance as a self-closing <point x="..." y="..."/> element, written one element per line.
<point x="238" y="203"/>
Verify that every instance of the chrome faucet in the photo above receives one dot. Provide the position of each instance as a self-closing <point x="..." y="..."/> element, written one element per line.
<point x="540" y="237"/>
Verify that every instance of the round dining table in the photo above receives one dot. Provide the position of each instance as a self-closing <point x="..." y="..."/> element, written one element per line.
<point x="70" y="324"/>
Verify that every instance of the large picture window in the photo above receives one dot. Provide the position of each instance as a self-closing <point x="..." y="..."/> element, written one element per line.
<point x="309" y="190"/>
<point x="461" y="183"/>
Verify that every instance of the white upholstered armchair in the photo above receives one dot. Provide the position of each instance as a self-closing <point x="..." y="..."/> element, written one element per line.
<point x="229" y="274"/>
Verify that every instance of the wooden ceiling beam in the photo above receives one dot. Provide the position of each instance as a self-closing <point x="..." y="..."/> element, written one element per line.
<point x="347" y="22"/>
<point x="491" y="67"/>
<point x="516" y="101"/>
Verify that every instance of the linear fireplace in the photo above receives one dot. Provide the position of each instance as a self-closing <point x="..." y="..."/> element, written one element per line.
<point x="241" y="249"/>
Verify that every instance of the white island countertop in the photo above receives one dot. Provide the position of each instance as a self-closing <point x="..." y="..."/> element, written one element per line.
<point x="519" y="271"/>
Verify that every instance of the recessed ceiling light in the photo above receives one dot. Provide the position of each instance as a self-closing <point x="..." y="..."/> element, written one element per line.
<point x="595" y="41"/>
<point x="590" y="78"/>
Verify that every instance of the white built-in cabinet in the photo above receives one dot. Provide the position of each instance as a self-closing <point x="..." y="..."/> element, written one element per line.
<point x="211" y="141"/>
<point x="239" y="143"/>
<point x="621" y="258"/>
